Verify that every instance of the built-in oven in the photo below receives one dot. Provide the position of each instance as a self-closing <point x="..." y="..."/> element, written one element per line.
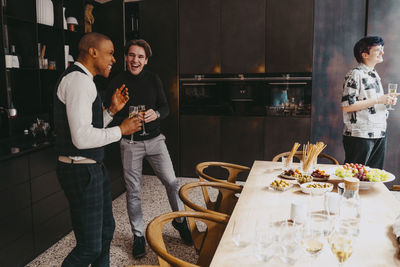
<point x="274" y="95"/>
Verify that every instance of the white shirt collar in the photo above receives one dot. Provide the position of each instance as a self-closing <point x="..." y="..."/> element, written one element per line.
<point x="365" y="67"/>
<point x="84" y="69"/>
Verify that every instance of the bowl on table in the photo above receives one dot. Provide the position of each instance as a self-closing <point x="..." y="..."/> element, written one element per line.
<point x="316" y="188"/>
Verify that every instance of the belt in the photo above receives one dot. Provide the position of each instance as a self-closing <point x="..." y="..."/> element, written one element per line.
<point x="71" y="161"/>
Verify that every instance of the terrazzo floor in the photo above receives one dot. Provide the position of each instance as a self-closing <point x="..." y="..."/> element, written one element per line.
<point x="154" y="203"/>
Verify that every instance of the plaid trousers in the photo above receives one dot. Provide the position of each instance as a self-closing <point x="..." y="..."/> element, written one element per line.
<point x="87" y="188"/>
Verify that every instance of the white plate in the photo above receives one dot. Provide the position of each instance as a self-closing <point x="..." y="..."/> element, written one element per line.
<point x="316" y="191"/>
<point x="363" y="184"/>
<point x="280" y="189"/>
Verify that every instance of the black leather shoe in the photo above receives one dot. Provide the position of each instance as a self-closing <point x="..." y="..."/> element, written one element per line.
<point x="139" y="247"/>
<point x="184" y="231"/>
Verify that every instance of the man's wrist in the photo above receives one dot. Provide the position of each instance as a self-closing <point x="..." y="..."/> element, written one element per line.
<point x="158" y="114"/>
<point x="110" y="112"/>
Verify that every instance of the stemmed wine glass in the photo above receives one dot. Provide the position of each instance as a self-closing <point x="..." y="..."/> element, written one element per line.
<point x="392" y="88"/>
<point x="133" y="112"/>
<point x="341" y="242"/>
<point x="142" y="110"/>
<point x="312" y="239"/>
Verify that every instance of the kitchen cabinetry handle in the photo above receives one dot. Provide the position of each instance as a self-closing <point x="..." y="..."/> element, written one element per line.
<point x="289" y="83"/>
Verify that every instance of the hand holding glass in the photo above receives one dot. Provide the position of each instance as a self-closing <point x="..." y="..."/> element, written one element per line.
<point x="142" y="110"/>
<point x="392" y="88"/>
<point x="133" y="112"/>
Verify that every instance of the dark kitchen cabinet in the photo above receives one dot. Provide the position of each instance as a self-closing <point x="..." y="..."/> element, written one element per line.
<point x="228" y="36"/>
<point x="200" y="141"/>
<point x="30" y="87"/>
<point x="242" y="139"/>
<point x="199" y="36"/>
<point x="280" y="133"/>
<point x="289" y="36"/>
<point x="242" y="36"/>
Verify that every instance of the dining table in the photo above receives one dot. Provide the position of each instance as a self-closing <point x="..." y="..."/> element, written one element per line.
<point x="376" y="245"/>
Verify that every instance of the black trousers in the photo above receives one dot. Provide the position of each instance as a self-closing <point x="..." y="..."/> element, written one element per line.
<point x="87" y="188"/>
<point x="370" y="152"/>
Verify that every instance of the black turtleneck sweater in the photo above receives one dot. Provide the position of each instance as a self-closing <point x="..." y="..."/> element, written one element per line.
<point x="144" y="89"/>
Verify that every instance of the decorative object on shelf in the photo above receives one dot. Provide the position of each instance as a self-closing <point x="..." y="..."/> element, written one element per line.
<point x="89" y="19"/>
<point x="12" y="111"/>
<point x="15" y="57"/>
<point x="72" y="21"/>
<point x="52" y="65"/>
<point x="70" y="60"/>
<point x="64" y="20"/>
<point x="66" y="54"/>
<point x="45" y="12"/>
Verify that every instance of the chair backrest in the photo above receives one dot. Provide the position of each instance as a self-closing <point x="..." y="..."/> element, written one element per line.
<point x="224" y="204"/>
<point x="299" y="156"/>
<point x="215" y="224"/>
<point x="233" y="171"/>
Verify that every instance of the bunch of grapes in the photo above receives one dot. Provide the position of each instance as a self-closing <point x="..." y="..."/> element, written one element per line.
<point x="358" y="170"/>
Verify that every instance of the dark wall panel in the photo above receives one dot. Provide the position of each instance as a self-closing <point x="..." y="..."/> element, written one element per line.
<point x="159" y="26"/>
<point x="242" y="36"/>
<point x="339" y="24"/>
<point x="383" y="17"/>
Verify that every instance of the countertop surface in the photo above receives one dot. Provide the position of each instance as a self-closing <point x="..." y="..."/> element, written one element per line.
<point x="19" y="145"/>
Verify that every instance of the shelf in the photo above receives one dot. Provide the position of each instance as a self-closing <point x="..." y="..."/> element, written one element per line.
<point x="17" y="19"/>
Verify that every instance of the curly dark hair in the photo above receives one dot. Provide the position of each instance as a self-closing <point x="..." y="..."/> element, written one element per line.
<point x="365" y="44"/>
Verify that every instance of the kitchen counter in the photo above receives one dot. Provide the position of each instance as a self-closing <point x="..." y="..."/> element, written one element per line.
<point x="20" y="145"/>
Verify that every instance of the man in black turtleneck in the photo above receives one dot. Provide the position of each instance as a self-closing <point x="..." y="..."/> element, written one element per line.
<point x="146" y="89"/>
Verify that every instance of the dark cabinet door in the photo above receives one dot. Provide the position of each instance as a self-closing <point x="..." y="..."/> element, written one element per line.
<point x="199" y="36"/>
<point x="200" y="141"/>
<point x="280" y="133"/>
<point x="289" y="36"/>
<point x="242" y="36"/>
<point x="242" y="139"/>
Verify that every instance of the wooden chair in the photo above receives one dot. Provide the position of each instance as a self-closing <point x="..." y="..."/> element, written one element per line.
<point x="233" y="171"/>
<point x="225" y="205"/>
<point x="299" y="156"/>
<point x="215" y="224"/>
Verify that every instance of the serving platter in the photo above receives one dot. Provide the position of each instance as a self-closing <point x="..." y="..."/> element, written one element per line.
<point x="364" y="185"/>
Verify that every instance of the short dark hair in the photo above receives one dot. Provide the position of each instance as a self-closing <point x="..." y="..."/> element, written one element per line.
<point x="89" y="40"/>
<point x="365" y="44"/>
<point x="141" y="43"/>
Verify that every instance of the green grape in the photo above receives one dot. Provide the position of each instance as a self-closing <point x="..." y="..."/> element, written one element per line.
<point x="376" y="175"/>
<point x="340" y="172"/>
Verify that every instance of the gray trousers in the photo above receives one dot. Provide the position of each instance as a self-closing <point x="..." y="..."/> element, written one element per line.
<point x="156" y="153"/>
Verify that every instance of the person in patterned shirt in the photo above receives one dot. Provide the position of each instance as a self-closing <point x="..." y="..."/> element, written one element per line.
<point x="364" y="106"/>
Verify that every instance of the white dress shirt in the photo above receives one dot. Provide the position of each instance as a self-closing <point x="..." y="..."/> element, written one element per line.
<point x="78" y="92"/>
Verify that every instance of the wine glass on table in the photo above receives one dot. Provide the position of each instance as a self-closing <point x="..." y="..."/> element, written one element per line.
<point x="142" y="111"/>
<point x="133" y="113"/>
<point x="392" y="88"/>
<point x="312" y="239"/>
<point x="341" y="242"/>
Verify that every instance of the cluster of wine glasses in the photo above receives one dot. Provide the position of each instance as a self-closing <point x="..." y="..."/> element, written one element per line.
<point x="134" y="111"/>
<point x="289" y="241"/>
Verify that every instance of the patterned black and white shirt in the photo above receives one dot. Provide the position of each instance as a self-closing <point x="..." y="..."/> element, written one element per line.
<point x="363" y="83"/>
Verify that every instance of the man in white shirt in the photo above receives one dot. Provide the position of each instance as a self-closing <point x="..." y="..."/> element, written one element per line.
<point x="363" y="106"/>
<point x="80" y="122"/>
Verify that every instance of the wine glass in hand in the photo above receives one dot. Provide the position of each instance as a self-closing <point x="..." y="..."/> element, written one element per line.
<point x="142" y="111"/>
<point x="392" y="88"/>
<point x="133" y="112"/>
